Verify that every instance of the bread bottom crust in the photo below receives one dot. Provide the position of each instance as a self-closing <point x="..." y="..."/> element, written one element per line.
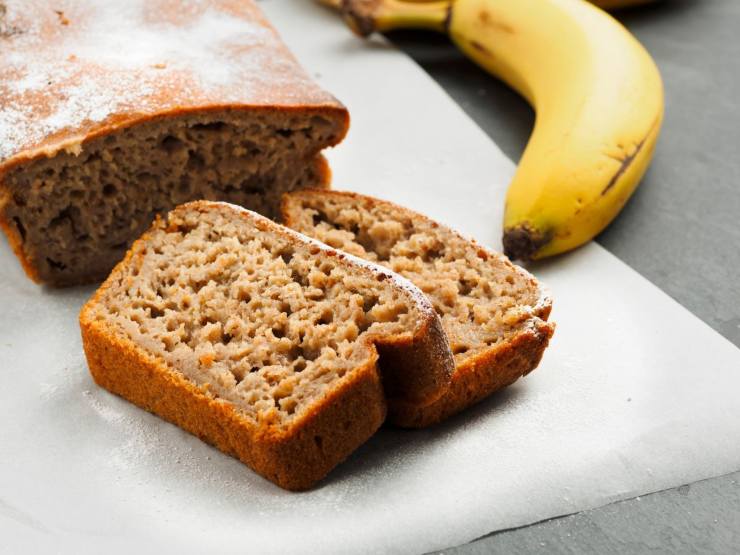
<point x="294" y="458"/>
<point x="478" y="378"/>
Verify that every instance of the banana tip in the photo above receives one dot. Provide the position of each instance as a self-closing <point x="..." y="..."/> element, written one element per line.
<point x="358" y="14"/>
<point x="522" y="242"/>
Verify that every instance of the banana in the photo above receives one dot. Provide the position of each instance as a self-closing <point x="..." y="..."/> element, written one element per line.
<point x="618" y="4"/>
<point x="603" y="4"/>
<point x="597" y="94"/>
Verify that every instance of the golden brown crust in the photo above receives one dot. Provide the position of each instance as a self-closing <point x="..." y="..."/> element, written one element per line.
<point x="294" y="458"/>
<point x="16" y="244"/>
<point x="479" y="376"/>
<point x="58" y="90"/>
<point x="418" y="371"/>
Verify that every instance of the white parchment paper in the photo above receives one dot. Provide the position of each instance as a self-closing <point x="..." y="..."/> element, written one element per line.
<point x="634" y="395"/>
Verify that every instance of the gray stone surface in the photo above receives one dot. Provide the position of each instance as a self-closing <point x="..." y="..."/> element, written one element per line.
<point x="681" y="230"/>
<point x="683" y="520"/>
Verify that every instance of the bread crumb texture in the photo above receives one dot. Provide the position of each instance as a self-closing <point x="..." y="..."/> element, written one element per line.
<point x="481" y="297"/>
<point x="250" y="315"/>
<point x="75" y="215"/>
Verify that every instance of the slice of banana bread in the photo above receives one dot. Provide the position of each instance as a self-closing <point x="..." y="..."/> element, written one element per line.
<point x="112" y="112"/>
<point x="494" y="313"/>
<point x="273" y="347"/>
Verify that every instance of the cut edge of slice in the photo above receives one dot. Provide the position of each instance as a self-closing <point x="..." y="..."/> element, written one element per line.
<point x="484" y="372"/>
<point x="297" y="457"/>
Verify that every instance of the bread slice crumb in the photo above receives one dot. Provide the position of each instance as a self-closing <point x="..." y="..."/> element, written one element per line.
<point x="271" y="346"/>
<point x="493" y="312"/>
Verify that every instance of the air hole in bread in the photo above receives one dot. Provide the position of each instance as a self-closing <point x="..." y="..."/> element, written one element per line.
<point x="20" y="228"/>
<point x="460" y="349"/>
<point x="215" y="126"/>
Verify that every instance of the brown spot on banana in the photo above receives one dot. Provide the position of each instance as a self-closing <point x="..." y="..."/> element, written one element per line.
<point x="448" y="20"/>
<point x="487" y="20"/>
<point x="522" y="241"/>
<point x="359" y="15"/>
<point x="480" y="48"/>
<point x="626" y="162"/>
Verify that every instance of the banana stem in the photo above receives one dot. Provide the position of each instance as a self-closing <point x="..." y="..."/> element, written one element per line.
<point x="368" y="16"/>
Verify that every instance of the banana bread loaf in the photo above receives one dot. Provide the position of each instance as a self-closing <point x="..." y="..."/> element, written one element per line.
<point x="112" y="112"/>
<point x="494" y="313"/>
<point x="271" y="346"/>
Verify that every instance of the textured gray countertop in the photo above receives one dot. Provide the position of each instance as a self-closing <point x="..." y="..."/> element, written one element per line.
<point x="681" y="230"/>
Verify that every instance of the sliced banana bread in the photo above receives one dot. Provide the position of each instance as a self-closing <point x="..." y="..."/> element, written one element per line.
<point x="494" y="313"/>
<point x="112" y="112"/>
<point x="271" y="346"/>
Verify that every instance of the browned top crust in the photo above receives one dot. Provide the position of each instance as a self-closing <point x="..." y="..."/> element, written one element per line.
<point x="75" y="69"/>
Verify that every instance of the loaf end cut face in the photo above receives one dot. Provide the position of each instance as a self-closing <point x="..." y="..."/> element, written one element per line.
<point x="269" y="345"/>
<point x="112" y="112"/>
<point x="493" y="312"/>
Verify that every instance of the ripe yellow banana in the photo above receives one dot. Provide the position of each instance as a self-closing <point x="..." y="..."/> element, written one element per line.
<point x="597" y="94"/>
<point x="603" y="4"/>
<point x="616" y="4"/>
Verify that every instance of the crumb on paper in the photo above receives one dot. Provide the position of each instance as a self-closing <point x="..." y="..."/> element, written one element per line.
<point x="63" y="19"/>
<point x="7" y="30"/>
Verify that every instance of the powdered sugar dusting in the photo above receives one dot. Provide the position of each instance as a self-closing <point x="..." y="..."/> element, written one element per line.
<point x="75" y="66"/>
<point x="139" y="441"/>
